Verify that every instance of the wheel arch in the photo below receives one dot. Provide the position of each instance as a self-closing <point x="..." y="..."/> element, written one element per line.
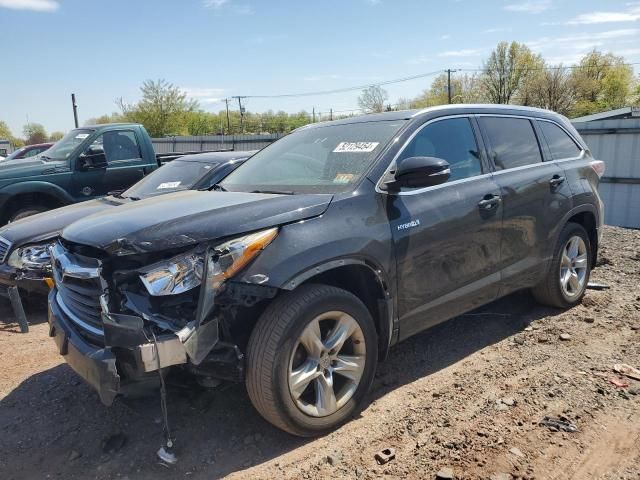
<point x="32" y="193"/>
<point x="586" y="216"/>
<point x="366" y="281"/>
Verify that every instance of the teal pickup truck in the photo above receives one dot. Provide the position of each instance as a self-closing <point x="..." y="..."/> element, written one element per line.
<point x="87" y="162"/>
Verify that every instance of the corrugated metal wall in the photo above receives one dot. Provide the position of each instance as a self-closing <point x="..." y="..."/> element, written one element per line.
<point x="617" y="142"/>
<point x="213" y="142"/>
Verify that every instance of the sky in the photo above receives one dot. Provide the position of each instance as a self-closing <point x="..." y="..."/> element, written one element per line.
<point x="213" y="49"/>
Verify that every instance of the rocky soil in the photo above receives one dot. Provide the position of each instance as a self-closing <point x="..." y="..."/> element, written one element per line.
<point x="464" y="400"/>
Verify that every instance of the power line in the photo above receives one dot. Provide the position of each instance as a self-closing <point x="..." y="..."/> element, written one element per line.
<point x="414" y="77"/>
<point x="346" y="89"/>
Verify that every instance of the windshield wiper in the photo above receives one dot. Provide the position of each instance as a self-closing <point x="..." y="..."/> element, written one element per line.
<point x="275" y="192"/>
<point x="45" y="158"/>
<point x="218" y="188"/>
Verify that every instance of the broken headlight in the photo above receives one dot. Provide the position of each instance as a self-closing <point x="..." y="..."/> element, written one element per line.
<point x="31" y="257"/>
<point x="184" y="272"/>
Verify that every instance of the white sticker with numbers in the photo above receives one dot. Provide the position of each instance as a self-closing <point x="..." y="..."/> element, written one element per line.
<point x="164" y="185"/>
<point x="356" y="147"/>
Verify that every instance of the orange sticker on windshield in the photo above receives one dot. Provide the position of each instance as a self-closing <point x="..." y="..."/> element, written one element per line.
<point x="343" y="178"/>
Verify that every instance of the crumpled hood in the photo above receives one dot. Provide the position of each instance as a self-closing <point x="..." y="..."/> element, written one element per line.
<point x="46" y="225"/>
<point x="189" y="217"/>
<point x="30" y="167"/>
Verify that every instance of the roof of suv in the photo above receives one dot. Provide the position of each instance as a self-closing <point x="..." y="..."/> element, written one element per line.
<point x="409" y="114"/>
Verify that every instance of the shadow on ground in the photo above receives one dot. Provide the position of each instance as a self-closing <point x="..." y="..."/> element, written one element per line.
<point x="53" y="423"/>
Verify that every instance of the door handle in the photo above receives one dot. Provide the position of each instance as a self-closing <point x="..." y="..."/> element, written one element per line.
<point x="556" y="180"/>
<point x="489" y="202"/>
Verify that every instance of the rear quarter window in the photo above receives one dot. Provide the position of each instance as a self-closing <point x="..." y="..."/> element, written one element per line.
<point x="513" y="142"/>
<point x="560" y="143"/>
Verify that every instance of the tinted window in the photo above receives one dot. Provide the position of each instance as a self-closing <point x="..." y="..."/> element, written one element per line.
<point x="453" y="141"/>
<point x="513" y="142"/>
<point x="118" y="145"/>
<point x="560" y="144"/>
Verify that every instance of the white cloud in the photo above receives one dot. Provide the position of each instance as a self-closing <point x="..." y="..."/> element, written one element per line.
<point x="445" y="37"/>
<point x="529" y="6"/>
<point x="219" y="5"/>
<point x="37" y="5"/>
<point x="214" y="3"/>
<point x="465" y="52"/>
<point x="569" y="49"/>
<point x="631" y="14"/>
<point x="204" y="95"/>
<point x="319" y="78"/>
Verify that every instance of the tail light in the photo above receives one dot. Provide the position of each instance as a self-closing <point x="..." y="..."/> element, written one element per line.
<point x="598" y="167"/>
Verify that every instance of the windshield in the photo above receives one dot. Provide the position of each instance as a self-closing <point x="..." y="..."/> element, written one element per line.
<point x="328" y="159"/>
<point x="174" y="176"/>
<point x="67" y="144"/>
<point x="16" y="153"/>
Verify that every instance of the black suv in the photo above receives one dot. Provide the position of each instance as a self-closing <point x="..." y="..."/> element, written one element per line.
<point x="309" y="261"/>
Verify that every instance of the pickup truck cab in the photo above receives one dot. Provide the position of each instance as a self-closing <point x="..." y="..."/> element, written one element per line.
<point x="87" y="162"/>
<point x="323" y="250"/>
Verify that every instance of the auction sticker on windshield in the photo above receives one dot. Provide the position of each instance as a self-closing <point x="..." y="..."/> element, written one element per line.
<point x="168" y="185"/>
<point x="82" y="136"/>
<point x="356" y="147"/>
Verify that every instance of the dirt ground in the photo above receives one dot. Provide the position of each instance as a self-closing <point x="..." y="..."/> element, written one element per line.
<point x="465" y="399"/>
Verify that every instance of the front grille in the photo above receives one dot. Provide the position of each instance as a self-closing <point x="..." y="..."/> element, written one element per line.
<point x="5" y="247"/>
<point x="77" y="281"/>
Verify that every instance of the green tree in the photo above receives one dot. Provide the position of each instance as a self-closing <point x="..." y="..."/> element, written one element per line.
<point x="55" y="136"/>
<point x="602" y="82"/>
<point x="508" y="70"/>
<point x="5" y="132"/>
<point x="162" y="108"/>
<point x="464" y="89"/>
<point x="34" y="133"/>
<point x="373" y="99"/>
<point x="553" y="89"/>
<point x="201" y="123"/>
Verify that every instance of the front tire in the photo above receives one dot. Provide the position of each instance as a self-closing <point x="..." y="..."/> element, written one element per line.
<point x="27" y="212"/>
<point x="311" y="359"/>
<point x="566" y="281"/>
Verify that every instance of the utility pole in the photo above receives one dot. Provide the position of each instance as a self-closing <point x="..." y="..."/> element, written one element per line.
<point x="241" y="112"/>
<point x="314" y="114"/>
<point x="449" y="71"/>
<point x="226" y="100"/>
<point x="331" y="114"/>
<point x="75" y="109"/>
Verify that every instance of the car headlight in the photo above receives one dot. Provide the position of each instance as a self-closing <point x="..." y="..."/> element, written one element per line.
<point x="31" y="257"/>
<point x="184" y="272"/>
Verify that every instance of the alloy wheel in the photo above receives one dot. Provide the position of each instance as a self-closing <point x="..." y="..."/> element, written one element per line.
<point x="573" y="267"/>
<point x="327" y="364"/>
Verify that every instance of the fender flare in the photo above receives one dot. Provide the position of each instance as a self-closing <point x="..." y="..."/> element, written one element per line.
<point x="582" y="208"/>
<point x="388" y="323"/>
<point x="46" y="188"/>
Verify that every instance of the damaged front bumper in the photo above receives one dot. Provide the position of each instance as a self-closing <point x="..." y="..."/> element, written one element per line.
<point x="97" y="366"/>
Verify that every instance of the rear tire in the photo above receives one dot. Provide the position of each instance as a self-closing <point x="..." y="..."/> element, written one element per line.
<point x="25" y="212"/>
<point x="311" y="359"/>
<point x="566" y="280"/>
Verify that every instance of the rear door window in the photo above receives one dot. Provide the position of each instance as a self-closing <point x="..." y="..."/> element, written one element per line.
<point x="560" y="143"/>
<point x="452" y="140"/>
<point x="512" y="141"/>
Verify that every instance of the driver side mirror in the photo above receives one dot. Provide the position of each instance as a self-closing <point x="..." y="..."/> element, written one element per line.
<point x="93" y="159"/>
<point x="416" y="172"/>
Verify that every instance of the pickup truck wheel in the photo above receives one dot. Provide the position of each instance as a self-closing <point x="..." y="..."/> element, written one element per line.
<point x="27" y="212"/>
<point x="311" y="359"/>
<point x="568" y="275"/>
